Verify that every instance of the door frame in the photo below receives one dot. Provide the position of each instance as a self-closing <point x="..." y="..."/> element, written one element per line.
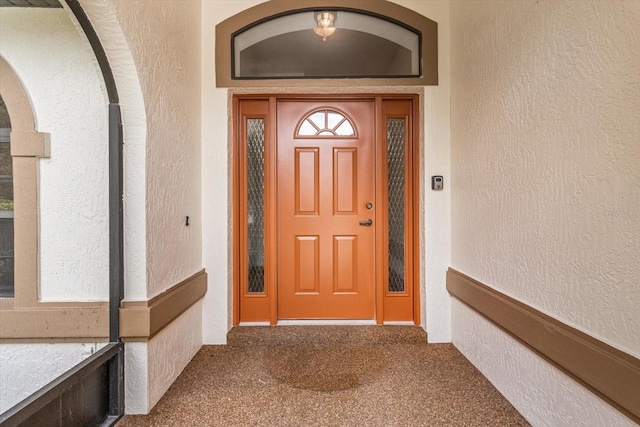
<point x="263" y="307"/>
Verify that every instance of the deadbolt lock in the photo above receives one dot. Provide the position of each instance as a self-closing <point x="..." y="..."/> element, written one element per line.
<point x="369" y="205"/>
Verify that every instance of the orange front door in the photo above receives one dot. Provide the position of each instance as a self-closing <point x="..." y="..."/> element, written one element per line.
<point x="325" y="209"/>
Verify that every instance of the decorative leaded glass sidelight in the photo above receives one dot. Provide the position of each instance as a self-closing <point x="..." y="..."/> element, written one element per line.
<point x="396" y="203"/>
<point x="326" y="44"/>
<point x="255" y="205"/>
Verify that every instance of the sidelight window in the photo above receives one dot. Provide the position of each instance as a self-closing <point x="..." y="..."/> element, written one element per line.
<point x="255" y="205"/>
<point x="396" y="203"/>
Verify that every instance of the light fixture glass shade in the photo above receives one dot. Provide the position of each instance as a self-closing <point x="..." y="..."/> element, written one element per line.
<point x="324" y="32"/>
<point x="325" y="24"/>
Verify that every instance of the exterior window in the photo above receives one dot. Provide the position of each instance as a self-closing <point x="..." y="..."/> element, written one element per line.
<point x="255" y="204"/>
<point x="326" y="44"/>
<point x="396" y="191"/>
<point x="326" y="123"/>
<point x="6" y="207"/>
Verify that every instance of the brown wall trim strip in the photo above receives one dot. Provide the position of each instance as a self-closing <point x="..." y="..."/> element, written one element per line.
<point x="142" y="320"/>
<point x="610" y="373"/>
<point x="49" y="324"/>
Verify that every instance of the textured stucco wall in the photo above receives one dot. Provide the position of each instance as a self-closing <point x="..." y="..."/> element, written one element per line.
<point x="105" y="22"/>
<point x="25" y="368"/>
<point x="136" y="378"/>
<point x="164" y="39"/>
<point x="158" y="362"/>
<point x="546" y="171"/>
<point x="60" y="74"/>
<point x="436" y="212"/>
<point x="216" y="192"/>
<point x="172" y="349"/>
<point x="541" y="392"/>
<point x="162" y="172"/>
<point x="154" y="51"/>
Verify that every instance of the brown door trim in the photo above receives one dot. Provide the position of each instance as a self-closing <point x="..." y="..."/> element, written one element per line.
<point x="262" y="307"/>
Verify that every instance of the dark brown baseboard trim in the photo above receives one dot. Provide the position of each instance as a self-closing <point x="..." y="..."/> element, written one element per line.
<point x="608" y="372"/>
<point x="142" y="320"/>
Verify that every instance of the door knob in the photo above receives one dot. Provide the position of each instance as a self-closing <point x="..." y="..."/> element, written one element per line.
<point x="366" y="223"/>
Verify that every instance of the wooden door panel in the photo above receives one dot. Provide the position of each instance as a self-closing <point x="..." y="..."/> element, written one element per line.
<point x="307" y="181"/>
<point x="326" y="259"/>
<point x="345" y="180"/>
<point x="345" y="264"/>
<point x="307" y="264"/>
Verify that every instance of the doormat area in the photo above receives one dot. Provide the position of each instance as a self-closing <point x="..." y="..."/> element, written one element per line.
<point x="330" y="376"/>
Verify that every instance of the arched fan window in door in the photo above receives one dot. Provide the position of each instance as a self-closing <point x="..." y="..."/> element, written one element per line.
<point x="326" y="122"/>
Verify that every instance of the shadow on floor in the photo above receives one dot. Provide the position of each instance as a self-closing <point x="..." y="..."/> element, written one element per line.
<point x="330" y="376"/>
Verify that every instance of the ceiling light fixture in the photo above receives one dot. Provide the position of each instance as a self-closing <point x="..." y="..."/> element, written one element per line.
<point x="325" y="24"/>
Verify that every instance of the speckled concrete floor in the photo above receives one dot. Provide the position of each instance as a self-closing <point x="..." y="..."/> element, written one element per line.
<point x="330" y="376"/>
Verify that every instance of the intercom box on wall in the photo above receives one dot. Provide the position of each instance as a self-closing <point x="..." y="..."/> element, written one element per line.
<point x="437" y="182"/>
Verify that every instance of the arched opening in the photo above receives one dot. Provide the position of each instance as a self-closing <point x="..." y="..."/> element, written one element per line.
<point x="54" y="323"/>
<point x="22" y="148"/>
<point x="377" y="42"/>
<point x="347" y="43"/>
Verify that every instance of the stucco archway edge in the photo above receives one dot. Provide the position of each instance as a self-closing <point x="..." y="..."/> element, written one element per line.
<point x="16" y="98"/>
<point x="104" y="21"/>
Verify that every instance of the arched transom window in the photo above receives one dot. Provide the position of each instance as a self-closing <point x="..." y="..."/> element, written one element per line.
<point x="336" y="40"/>
<point x="326" y="122"/>
<point x="326" y="43"/>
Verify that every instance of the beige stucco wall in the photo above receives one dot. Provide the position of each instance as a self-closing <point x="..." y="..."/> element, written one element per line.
<point x="216" y="196"/>
<point x="61" y="77"/>
<point x="153" y="48"/>
<point x="164" y="39"/>
<point x="436" y="212"/>
<point x="546" y="170"/>
<point x="151" y="367"/>
<point x="105" y="21"/>
<point x="545" y="201"/>
<point x="58" y="71"/>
